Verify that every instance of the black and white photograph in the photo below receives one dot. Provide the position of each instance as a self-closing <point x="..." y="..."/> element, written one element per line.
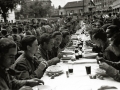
<point x="59" y="44"/>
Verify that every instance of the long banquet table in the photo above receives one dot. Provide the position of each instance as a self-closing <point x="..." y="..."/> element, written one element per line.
<point x="79" y="80"/>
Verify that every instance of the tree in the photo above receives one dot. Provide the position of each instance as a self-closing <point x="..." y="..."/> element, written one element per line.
<point x="6" y="5"/>
<point x="59" y="7"/>
<point x="34" y="9"/>
<point x="25" y="8"/>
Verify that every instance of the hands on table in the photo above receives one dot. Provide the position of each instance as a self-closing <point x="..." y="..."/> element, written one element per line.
<point x="101" y="73"/>
<point x="104" y="66"/>
<point x="101" y="62"/>
<point x="34" y="82"/>
<point x="100" y="59"/>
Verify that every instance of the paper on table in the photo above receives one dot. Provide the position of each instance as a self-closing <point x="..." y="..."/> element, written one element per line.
<point x="42" y="87"/>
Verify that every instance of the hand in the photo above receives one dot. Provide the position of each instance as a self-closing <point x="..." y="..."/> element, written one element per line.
<point x="34" y="82"/>
<point x="60" y="55"/>
<point x="26" y="88"/>
<point x="70" y="44"/>
<point x="43" y="65"/>
<point x="99" y="76"/>
<point x="89" y="43"/>
<point x="56" y="59"/>
<point x="100" y="59"/>
<point x="104" y="66"/>
<point x="101" y="72"/>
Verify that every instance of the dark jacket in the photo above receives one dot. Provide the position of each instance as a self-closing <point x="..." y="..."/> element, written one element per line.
<point x="112" y="72"/>
<point x="48" y="56"/>
<point x="116" y="65"/>
<point x="55" y="52"/>
<point x="7" y="82"/>
<point x="110" y="55"/>
<point x="29" y="68"/>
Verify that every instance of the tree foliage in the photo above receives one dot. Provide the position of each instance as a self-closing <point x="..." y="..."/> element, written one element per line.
<point x="35" y="9"/>
<point x="6" y="5"/>
<point x="59" y="7"/>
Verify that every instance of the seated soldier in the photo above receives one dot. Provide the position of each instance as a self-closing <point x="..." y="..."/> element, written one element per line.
<point x="46" y="44"/>
<point x="8" y="50"/>
<point x="27" y="64"/>
<point x="65" y="40"/>
<point x="111" y="31"/>
<point x="100" y="39"/>
<point x="57" y="36"/>
<point x="110" y="71"/>
<point x="109" y="51"/>
<point x="113" y="53"/>
<point x="91" y="43"/>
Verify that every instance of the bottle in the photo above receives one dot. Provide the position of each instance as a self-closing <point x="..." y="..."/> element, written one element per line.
<point x="80" y="54"/>
<point x="84" y="46"/>
<point x="81" y="45"/>
<point x="76" y="53"/>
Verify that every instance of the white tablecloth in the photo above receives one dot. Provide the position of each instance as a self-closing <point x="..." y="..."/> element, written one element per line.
<point x="79" y="80"/>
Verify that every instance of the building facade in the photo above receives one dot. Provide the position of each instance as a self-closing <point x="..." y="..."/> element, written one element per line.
<point x="89" y="6"/>
<point x="62" y="11"/>
<point x="75" y="7"/>
<point x="116" y="6"/>
<point x="103" y="5"/>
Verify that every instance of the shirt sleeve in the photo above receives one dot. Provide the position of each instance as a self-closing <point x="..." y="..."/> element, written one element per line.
<point x="17" y="84"/>
<point x="109" y="55"/>
<point x="112" y="72"/>
<point x="27" y="73"/>
<point x="116" y="65"/>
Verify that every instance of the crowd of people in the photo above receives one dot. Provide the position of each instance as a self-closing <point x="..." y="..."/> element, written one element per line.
<point x="27" y="49"/>
<point x="105" y="40"/>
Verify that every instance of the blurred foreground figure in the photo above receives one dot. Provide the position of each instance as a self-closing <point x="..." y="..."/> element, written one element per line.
<point x="8" y="50"/>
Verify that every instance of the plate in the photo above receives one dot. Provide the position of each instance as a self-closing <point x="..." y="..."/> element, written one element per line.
<point x="54" y="69"/>
<point x="67" y="52"/>
<point x="71" y="48"/>
<point x="90" y="55"/>
<point x="66" y="58"/>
